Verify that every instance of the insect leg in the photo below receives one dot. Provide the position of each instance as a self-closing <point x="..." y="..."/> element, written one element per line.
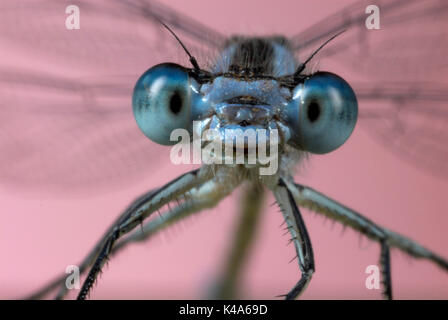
<point x="88" y="260"/>
<point x="159" y="198"/>
<point x="300" y="237"/>
<point x="385" y="268"/>
<point x="206" y="196"/>
<point x="316" y="201"/>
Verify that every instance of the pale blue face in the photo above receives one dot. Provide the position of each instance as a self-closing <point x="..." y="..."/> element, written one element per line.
<point x="316" y="114"/>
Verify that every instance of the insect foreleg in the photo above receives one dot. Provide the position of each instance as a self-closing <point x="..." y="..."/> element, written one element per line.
<point x="88" y="260"/>
<point x="299" y="235"/>
<point x="316" y="201"/>
<point x="386" y="271"/>
<point x="205" y="197"/>
<point x="141" y="211"/>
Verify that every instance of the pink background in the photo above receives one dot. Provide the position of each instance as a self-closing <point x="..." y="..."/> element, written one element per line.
<point x="43" y="232"/>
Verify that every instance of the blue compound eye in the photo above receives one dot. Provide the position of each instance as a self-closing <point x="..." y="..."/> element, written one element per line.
<point x="161" y="102"/>
<point x="322" y="113"/>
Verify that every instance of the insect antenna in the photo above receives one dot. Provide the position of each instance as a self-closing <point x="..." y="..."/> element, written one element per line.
<point x="193" y="60"/>
<point x="303" y="65"/>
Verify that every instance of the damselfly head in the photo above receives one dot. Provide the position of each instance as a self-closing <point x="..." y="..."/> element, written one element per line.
<point x="258" y="85"/>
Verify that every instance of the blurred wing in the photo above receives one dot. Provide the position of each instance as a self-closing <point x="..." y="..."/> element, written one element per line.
<point x="400" y="72"/>
<point x="410" y="120"/>
<point x="65" y="95"/>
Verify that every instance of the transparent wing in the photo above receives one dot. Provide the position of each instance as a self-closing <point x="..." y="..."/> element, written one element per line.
<point x="65" y="95"/>
<point x="400" y="73"/>
<point x="410" y="120"/>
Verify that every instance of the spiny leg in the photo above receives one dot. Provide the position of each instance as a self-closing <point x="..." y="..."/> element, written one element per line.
<point x="88" y="260"/>
<point x="159" y="198"/>
<point x="205" y="197"/>
<point x="252" y="199"/>
<point x="385" y="270"/>
<point x="320" y="203"/>
<point x="299" y="235"/>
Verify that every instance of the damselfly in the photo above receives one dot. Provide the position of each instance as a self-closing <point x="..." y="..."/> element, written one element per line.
<point x="82" y="87"/>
